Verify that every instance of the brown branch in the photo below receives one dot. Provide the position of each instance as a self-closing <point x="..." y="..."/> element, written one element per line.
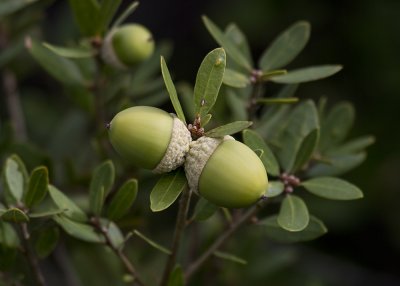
<point x="195" y="266"/>
<point x="179" y="228"/>
<point x="33" y="261"/>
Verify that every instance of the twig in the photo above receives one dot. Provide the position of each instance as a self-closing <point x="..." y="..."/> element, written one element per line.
<point x="125" y="260"/>
<point x="195" y="266"/>
<point x="179" y="228"/>
<point x="14" y="105"/>
<point x="33" y="262"/>
<point x="252" y="103"/>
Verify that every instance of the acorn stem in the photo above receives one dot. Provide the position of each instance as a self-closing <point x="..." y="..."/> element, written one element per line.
<point x="198" y="263"/>
<point x="179" y="228"/>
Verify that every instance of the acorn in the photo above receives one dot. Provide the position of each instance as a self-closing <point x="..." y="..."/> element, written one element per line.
<point x="225" y="172"/>
<point x="127" y="45"/>
<point x="150" y="138"/>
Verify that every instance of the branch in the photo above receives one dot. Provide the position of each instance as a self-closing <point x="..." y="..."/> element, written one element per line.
<point x="125" y="260"/>
<point x="195" y="266"/>
<point x="33" y="262"/>
<point x="179" y="228"/>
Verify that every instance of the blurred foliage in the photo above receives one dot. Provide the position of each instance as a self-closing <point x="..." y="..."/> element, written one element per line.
<point x="56" y="122"/>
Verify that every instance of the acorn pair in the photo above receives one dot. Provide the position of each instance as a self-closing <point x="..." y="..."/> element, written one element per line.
<point x="222" y="170"/>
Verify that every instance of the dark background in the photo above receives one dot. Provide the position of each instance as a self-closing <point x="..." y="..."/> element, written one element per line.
<point x="363" y="243"/>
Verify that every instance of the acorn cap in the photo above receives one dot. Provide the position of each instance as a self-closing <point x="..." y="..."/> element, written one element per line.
<point x="150" y="138"/>
<point x="127" y="45"/>
<point x="226" y="172"/>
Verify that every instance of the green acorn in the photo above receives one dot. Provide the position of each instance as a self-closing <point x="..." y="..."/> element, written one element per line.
<point x="150" y="138"/>
<point x="225" y="172"/>
<point x="127" y="45"/>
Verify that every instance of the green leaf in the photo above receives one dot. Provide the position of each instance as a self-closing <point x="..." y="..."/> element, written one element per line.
<point x="172" y="91"/>
<point x="236" y="104"/>
<point x="302" y="120"/>
<point x="152" y="243"/>
<point x="10" y="6"/>
<point x="64" y="203"/>
<point x="235" y="79"/>
<point x="107" y="11"/>
<point x="208" y="81"/>
<point x="293" y="215"/>
<point x="185" y="93"/>
<point x="123" y="200"/>
<point x="46" y="213"/>
<point x="332" y="188"/>
<point x="275" y="188"/>
<point x="285" y="47"/>
<point x="80" y="52"/>
<point x="177" y="277"/>
<point x="62" y="69"/>
<point x="236" y="54"/>
<point x="114" y="233"/>
<point x="236" y="36"/>
<point x="229" y="257"/>
<point x="78" y="230"/>
<point x="47" y="241"/>
<point x="100" y="185"/>
<point x="204" y="210"/>
<point x="314" y="229"/>
<point x="270" y="101"/>
<point x="337" y="165"/>
<point x="15" y="179"/>
<point x="228" y="129"/>
<point x="307" y="74"/>
<point x="128" y="11"/>
<point x="206" y="119"/>
<point x="255" y="141"/>
<point x="38" y="186"/>
<point x="14" y="215"/>
<point x="353" y="146"/>
<point x="306" y="150"/>
<point x="8" y="236"/>
<point x="167" y="190"/>
<point x="336" y="125"/>
<point x="86" y="15"/>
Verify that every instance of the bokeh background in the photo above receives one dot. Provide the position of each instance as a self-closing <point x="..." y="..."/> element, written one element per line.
<point x="363" y="243"/>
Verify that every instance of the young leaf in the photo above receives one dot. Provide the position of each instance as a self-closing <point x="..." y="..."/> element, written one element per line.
<point x="113" y="232"/>
<point x="10" y="6"/>
<point x="64" y="203"/>
<point x="302" y="120"/>
<point x="80" y="52"/>
<point x="285" y="47"/>
<point x="107" y="11"/>
<point x="235" y="79"/>
<point x="47" y="241"/>
<point x="306" y="150"/>
<point x="236" y="36"/>
<point x="353" y="146"/>
<point x="271" y="101"/>
<point x="86" y="15"/>
<point x="38" y="186"/>
<point x="8" y="236"/>
<point x="206" y="119"/>
<point x="204" y="210"/>
<point x="236" y="54"/>
<point x="128" y="11"/>
<point x="78" y="230"/>
<point x="177" y="277"/>
<point x="123" y="200"/>
<point x="208" y="81"/>
<point x="62" y="69"/>
<point x="314" y="229"/>
<point x="15" y="179"/>
<point x="230" y="257"/>
<point x="14" y="215"/>
<point x="293" y="215"/>
<point x="46" y="213"/>
<point x="152" y="242"/>
<point x="171" y="90"/>
<point x="100" y="185"/>
<point x="275" y="188"/>
<point x="307" y="74"/>
<point x="228" y="129"/>
<point x="167" y="190"/>
<point x="332" y="188"/>
<point x="255" y="141"/>
<point x="336" y="125"/>
<point x="337" y="165"/>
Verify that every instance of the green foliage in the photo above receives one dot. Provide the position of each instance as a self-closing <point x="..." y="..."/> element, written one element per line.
<point x="332" y="188"/>
<point x="152" y="242"/>
<point x="123" y="200"/>
<point x="38" y="186"/>
<point x="230" y="257"/>
<point x="47" y="241"/>
<point x="228" y="129"/>
<point x="204" y="210"/>
<point x="293" y="215"/>
<point x="100" y="185"/>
